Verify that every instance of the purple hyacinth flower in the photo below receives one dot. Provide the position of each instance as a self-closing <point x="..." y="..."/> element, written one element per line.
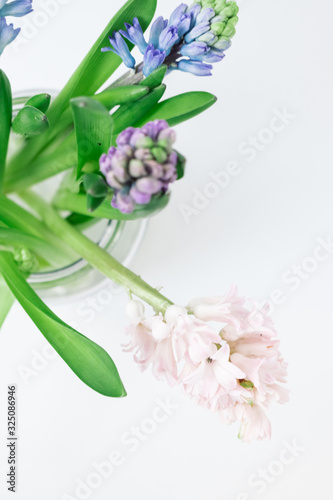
<point x="177" y="14"/>
<point x="7" y="34"/>
<point x="120" y="48"/>
<point x="197" y="31"/>
<point x="135" y="35"/>
<point x="123" y="202"/>
<point x="195" y="67"/>
<point x="125" y="136"/>
<point x="156" y="29"/>
<point x="142" y="166"/>
<point x="139" y="197"/>
<point x="153" y="59"/>
<point x="168" y="38"/>
<point x="17" y="8"/>
<point x="194" y="50"/>
<point x="154" y="129"/>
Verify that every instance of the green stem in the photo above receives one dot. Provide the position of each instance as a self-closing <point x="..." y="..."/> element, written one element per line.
<point x="47" y="165"/>
<point x="95" y="255"/>
<point x="14" y="216"/>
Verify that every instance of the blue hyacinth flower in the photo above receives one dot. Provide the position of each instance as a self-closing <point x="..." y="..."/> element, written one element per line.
<point x="153" y="59"/>
<point x="168" y="38"/>
<point x="17" y="8"/>
<point x="191" y="40"/>
<point x="135" y="35"/>
<point x="120" y="48"/>
<point x="195" y="67"/>
<point x="7" y="34"/>
<point x="157" y="27"/>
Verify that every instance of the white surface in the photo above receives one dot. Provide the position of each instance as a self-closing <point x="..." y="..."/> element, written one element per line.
<point x="254" y="231"/>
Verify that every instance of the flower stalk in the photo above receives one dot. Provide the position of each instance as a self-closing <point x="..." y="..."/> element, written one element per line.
<point x="95" y="255"/>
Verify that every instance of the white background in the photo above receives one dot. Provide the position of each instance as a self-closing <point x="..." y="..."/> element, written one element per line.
<point x="267" y="220"/>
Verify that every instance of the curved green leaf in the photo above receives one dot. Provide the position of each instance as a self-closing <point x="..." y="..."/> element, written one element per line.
<point x="121" y="95"/>
<point x="5" y="121"/>
<point x="88" y="360"/>
<point x="30" y="122"/>
<point x="155" y="78"/>
<point x="77" y="203"/>
<point x="129" y="114"/>
<point x="93" y="128"/>
<point x="40" y="101"/>
<point x="179" y="108"/>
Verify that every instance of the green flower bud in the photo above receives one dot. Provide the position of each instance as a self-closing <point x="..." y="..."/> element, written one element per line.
<point x="160" y="155"/>
<point x="217" y="28"/>
<point x="26" y="260"/>
<point x="145" y="143"/>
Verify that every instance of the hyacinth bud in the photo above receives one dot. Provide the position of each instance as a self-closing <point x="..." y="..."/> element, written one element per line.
<point x="143" y="165"/>
<point x="223" y="23"/>
<point x="26" y="260"/>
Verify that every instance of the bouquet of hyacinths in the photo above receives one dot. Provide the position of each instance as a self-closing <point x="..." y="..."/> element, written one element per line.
<point x="117" y="146"/>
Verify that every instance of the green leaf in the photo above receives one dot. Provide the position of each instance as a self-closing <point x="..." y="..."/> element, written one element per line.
<point x="109" y="98"/>
<point x="98" y="66"/>
<point x="93" y="203"/>
<point x="180" y="166"/>
<point x="93" y="128"/>
<point x="5" y="121"/>
<point x="129" y="114"/>
<point x="96" y="189"/>
<point x="78" y="203"/>
<point x="40" y="101"/>
<point x="30" y="122"/>
<point x="95" y="185"/>
<point x="7" y="300"/>
<point x="88" y="360"/>
<point x="179" y="108"/>
<point x="81" y="221"/>
<point x="155" y="78"/>
<point x="121" y="95"/>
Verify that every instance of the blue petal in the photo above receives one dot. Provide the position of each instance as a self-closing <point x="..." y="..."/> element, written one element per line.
<point x="195" y="67"/>
<point x="135" y="35"/>
<point x="153" y="59"/>
<point x="18" y="8"/>
<point x="177" y="14"/>
<point x="194" y="49"/>
<point x="7" y="34"/>
<point x="197" y="31"/>
<point x="120" y="48"/>
<point x="168" y="38"/>
<point x="156" y="29"/>
<point x="205" y="15"/>
<point x="185" y="25"/>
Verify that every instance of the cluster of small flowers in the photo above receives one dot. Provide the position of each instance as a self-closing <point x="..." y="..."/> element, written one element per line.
<point x="235" y="370"/>
<point x="193" y="37"/>
<point x="143" y="165"/>
<point x="17" y="8"/>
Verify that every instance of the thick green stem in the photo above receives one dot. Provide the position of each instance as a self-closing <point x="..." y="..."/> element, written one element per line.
<point x="95" y="255"/>
<point x="16" y="217"/>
